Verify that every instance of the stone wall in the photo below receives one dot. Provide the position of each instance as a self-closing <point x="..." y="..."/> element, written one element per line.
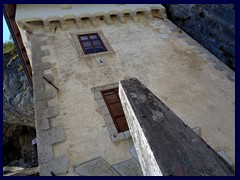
<point x="165" y="145"/>
<point x="212" y="25"/>
<point x="72" y="133"/>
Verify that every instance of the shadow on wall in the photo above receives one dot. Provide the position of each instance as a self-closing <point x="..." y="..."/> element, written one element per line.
<point x="211" y="25"/>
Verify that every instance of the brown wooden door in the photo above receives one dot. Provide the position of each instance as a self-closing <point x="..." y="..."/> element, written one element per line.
<point x="114" y="105"/>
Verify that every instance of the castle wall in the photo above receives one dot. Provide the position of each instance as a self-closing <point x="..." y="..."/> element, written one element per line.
<point x="70" y="125"/>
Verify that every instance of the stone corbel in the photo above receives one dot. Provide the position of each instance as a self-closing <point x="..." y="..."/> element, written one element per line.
<point x="25" y="26"/>
<point x="46" y="26"/>
<point x="97" y="15"/>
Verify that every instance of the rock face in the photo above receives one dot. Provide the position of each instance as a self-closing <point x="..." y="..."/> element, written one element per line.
<point x="17" y="146"/>
<point x="17" y="93"/>
<point x="18" y="114"/>
<point x="212" y="25"/>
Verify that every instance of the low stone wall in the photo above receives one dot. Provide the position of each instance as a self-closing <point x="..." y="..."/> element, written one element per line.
<point x="165" y="145"/>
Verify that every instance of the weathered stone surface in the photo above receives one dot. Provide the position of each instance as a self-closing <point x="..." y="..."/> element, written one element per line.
<point x="17" y="146"/>
<point x="197" y="130"/>
<point x="164" y="143"/>
<point x="104" y="110"/>
<point x="212" y="25"/>
<point x="97" y="95"/>
<point x="117" y="137"/>
<point x="17" y="93"/>
<point x="49" y="77"/>
<point x="57" y="166"/>
<point x="225" y="157"/>
<point x="45" y="95"/>
<point x="47" y="113"/>
<point x="133" y="152"/>
<point x="95" y="167"/>
<point x="51" y="136"/>
<point x="127" y="134"/>
<point x="108" y="119"/>
<point x="128" y="168"/>
<point x="45" y="153"/>
<point x="42" y="124"/>
<point x="112" y="129"/>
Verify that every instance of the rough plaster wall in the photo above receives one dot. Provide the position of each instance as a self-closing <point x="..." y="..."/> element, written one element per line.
<point x="186" y="77"/>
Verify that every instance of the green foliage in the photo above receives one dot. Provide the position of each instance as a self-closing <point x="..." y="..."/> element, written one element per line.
<point x="20" y="67"/>
<point x="8" y="47"/>
<point x="12" y="59"/>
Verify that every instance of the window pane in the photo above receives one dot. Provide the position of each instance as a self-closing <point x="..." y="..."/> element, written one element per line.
<point x="99" y="49"/>
<point x="97" y="43"/>
<point x="89" y="50"/>
<point x="84" y="38"/>
<point x="93" y="37"/>
<point x="86" y="43"/>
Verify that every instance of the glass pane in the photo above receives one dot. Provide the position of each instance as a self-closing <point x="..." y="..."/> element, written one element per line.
<point x="86" y="43"/>
<point x="89" y="50"/>
<point x="99" y="49"/>
<point x="96" y="43"/>
<point x="94" y="37"/>
<point x="83" y="38"/>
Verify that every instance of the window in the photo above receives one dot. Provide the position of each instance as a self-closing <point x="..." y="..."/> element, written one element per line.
<point x="111" y="109"/>
<point x="91" y="43"/>
<point x="114" y="106"/>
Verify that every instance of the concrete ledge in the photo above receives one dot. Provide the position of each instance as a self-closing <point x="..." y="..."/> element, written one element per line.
<point x="165" y="145"/>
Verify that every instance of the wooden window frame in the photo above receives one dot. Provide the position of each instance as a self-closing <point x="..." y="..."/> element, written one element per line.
<point x="110" y="111"/>
<point x="92" y="45"/>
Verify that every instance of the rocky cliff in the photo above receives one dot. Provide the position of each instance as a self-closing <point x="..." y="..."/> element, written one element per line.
<point x="18" y="113"/>
<point x="212" y="25"/>
<point x="17" y="93"/>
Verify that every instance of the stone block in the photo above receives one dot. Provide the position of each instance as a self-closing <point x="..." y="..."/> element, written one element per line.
<point x="97" y="95"/>
<point x="40" y="105"/>
<point x="225" y="157"/>
<point x="42" y="124"/>
<point x="133" y="152"/>
<point x="101" y="102"/>
<point x="112" y="129"/>
<point x="45" y="95"/>
<point x="108" y="119"/>
<point x="45" y="53"/>
<point x="95" y="167"/>
<point x="51" y="136"/>
<point x="117" y="137"/>
<point x="47" y="113"/>
<point x="197" y="130"/>
<point x="49" y="77"/>
<point x="104" y="110"/>
<point x="127" y="134"/>
<point x="45" y="153"/>
<point x="128" y="168"/>
<point x="57" y="166"/>
<point x="40" y="66"/>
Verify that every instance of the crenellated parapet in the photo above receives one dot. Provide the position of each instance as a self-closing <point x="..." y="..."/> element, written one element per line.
<point x="95" y="18"/>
